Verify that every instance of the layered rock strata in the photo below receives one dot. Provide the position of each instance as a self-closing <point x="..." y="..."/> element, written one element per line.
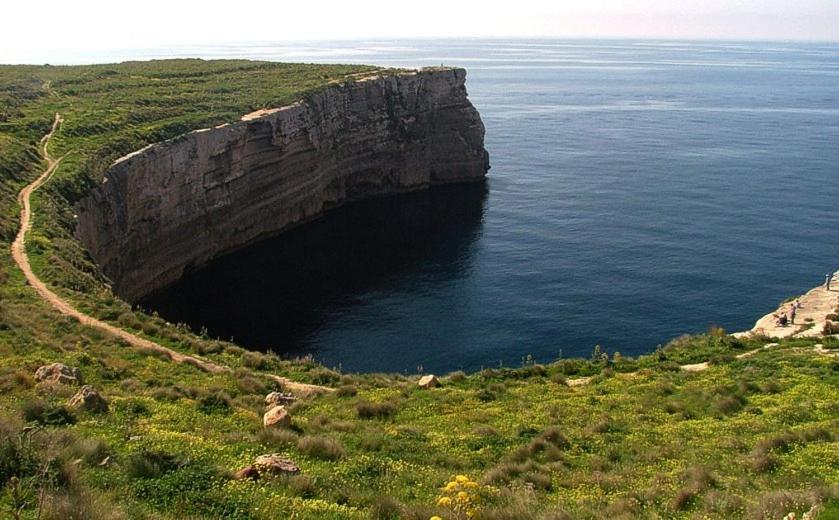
<point x="178" y="204"/>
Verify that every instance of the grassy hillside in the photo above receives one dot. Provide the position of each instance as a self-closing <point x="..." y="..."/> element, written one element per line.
<point x="752" y="437"/>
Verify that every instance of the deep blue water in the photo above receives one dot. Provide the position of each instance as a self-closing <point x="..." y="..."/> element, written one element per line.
<point x="638" y="191"/>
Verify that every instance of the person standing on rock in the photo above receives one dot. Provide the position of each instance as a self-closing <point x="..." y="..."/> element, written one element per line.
<point x="827" y="278"/>
<point x="792" y="315"/>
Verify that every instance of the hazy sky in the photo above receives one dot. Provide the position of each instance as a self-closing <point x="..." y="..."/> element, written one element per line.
<point x="36" y="25"/>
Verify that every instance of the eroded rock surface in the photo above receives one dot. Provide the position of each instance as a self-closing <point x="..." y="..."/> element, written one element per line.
<point x="178" y="204"/>
<point x="59" y="373"/>
<point x="277" y="416"/>
<point x="89" y="399"/>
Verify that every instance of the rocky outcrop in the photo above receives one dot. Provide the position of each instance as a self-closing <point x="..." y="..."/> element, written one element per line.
<point x="89" y="399"/>
<point x="272" y="464"/>
<point x="176" y="205"/>
<point x="59" y="373"/>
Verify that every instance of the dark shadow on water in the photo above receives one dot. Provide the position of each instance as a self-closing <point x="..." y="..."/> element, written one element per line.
<point x="277" y="293"/>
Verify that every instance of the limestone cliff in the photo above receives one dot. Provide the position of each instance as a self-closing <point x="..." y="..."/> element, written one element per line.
<point x="177" y="204"/>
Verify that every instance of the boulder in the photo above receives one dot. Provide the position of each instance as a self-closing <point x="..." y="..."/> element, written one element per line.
<point x="277" y="416"/>
<point x="272" y="464"/>
<point x="429" y="381"/>
<point x="277" y="398"/>
<point x="90" y="400"/>
<point x="59" y="373"/>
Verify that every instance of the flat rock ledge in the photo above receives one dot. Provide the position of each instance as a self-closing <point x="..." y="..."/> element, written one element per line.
<point x="270" y="465"/>
<point x="59" y="373"/>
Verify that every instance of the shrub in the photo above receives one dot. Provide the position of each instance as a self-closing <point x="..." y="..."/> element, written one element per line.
<point x="79" y="503"/>
<point x="92" y="451"/>
<point x="559" y="379"/>
<point x="830" y="328"/>
<point x="368" y="410"/>
<point x="324" y="448"/>
<point x="248" y="384"/>
<point x="256" y="360"/>
<point x="216" y="402"/>
<point x="146" y="464"/>
<point x="457" y="377"/>
<point x="302" y="486"/>
<point x="729" y="404"/>
<point x="167" y="393"/>
<point x="17" y="459"/>
<point x="346" y="391"/>
<point x="386" y="508"/>
<point x="47" y="415"/>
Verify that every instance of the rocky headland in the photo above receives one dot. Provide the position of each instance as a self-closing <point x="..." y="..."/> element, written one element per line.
<point x="178" y="204"/>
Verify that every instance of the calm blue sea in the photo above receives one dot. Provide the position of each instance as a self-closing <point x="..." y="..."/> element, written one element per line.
<point x="639" y="190"/>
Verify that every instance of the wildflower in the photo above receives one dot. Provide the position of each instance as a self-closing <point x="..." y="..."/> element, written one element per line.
<point x="461" y="479"/>
<point x="444" y="502"/>
<point x="435" y="518"/>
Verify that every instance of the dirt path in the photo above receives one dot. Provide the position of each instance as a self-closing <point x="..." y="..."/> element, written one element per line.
<point x="22" y="260"/>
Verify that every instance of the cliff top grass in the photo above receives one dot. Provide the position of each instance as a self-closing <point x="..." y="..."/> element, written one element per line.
<point x="749" y="437"/>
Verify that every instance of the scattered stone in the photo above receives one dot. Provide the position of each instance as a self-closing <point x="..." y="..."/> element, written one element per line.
<point x="272" y="464"/>
<point x="429" y="381"/>
<point x="90" y="400"/>
<point x="277" y="416"/>
<point x="277" y="398"/>
<point x="59" y="373"/>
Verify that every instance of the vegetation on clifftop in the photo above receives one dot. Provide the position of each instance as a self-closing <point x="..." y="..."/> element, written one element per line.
<point x="752" y="437"/>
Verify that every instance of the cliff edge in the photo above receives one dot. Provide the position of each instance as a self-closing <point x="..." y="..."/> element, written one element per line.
<point x="178" y="204"/>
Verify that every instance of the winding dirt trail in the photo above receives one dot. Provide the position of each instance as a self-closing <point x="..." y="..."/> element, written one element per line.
<point x="22" y="260"/>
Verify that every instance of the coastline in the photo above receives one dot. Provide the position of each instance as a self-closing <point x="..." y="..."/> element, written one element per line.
<point x="810" y="318"/>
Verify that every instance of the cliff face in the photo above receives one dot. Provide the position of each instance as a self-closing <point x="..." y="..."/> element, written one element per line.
<point x="178" y="204"/>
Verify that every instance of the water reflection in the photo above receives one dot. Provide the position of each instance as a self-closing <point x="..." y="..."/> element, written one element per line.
<point x="281" y="292"/>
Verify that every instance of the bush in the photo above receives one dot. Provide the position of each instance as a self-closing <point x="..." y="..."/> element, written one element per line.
<point x="386" y="508"/>
<point x="92" y="451"/>
<point x="346" y="391"/>
<point x="256" y="360"/>
<point x="16" y="459"/>
<point x="375" y="410"/>
<point x="47" y="415"/>
<point x="457" y="377"/>
<point x="302" y="486"/>
<point x="324" y="448"/>
<point x="146" y="464"/>
<point x="216" y="402"/>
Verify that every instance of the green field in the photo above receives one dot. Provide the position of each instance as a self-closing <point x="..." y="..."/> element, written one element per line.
<point x="750" y="437"/>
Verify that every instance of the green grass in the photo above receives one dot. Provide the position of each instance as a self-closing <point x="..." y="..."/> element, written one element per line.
<point x="747" y="438"/>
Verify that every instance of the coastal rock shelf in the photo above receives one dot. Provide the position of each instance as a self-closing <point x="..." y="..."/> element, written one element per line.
<point x="178" y="204"/>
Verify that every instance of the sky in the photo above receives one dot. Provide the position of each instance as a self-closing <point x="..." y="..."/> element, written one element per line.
<point x="33" y="27"/>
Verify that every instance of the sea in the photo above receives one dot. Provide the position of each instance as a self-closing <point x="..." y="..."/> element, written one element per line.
<point x="639" y="190"/>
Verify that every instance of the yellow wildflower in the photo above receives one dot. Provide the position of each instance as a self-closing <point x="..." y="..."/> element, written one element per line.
<point x="444" y="502"/>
